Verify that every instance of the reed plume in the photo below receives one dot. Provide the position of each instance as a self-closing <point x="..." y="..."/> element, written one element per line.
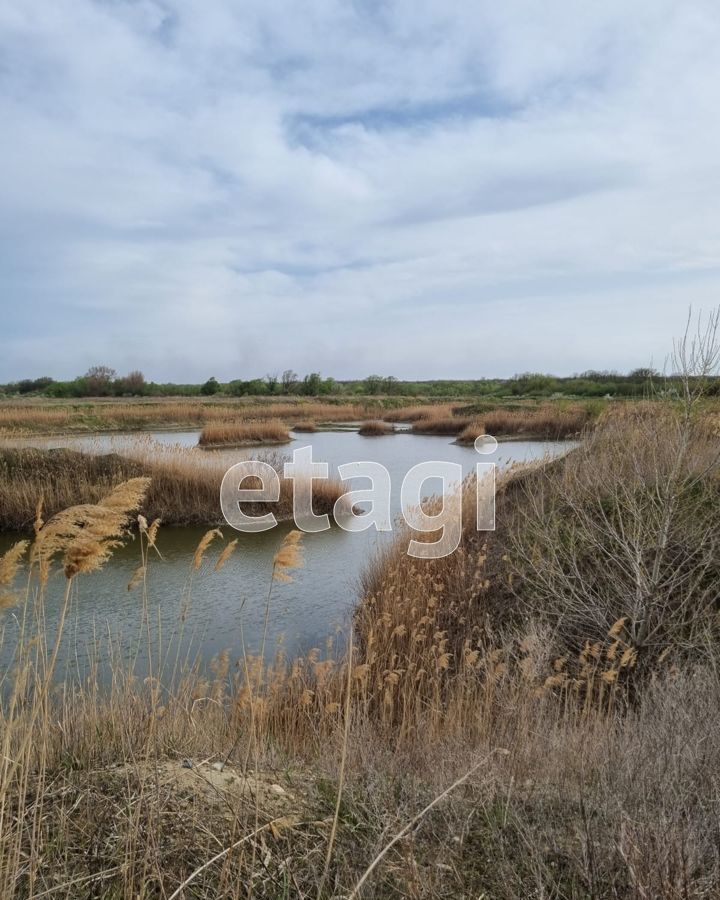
<point x="10" y="561"/>
<point x="202" y="546"/>
<point x="87" y="534"/>
<point x="288" y="557"/>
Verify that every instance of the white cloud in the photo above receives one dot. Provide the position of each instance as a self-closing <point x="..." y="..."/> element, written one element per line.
<point x="424" y="188"/>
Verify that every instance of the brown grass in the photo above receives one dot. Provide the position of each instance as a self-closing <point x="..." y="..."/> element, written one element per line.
<point x="122" y="415"/>
<point x="413" y="413"/>
<point x="375" y="428"/>
<point x="239" y="434"/>
<point x="441" y="425"/>
<point x="547" y="422"/>
<point x="573" y="776"/>
<point x="184" y="488"/>
<point x="231" y="778"/>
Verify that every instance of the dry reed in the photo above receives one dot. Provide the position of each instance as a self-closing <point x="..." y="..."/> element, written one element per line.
<point x="184" y="488"/>
<point x="242" y="434"/>
<point x="375" y="428"/>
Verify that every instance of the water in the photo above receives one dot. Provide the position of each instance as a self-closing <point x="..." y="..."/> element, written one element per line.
<point x="205" y="609"/>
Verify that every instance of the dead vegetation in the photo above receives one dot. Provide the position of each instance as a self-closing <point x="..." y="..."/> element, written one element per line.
<point x="243" y="434"/>
<point x="110" y="415"/>
<point x="184" y="483"/>
<point x="534" y="715"/>
<point x="375" y="428"/>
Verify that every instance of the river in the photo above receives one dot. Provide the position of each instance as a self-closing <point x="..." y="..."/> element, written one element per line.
<point x="203" y="611"/>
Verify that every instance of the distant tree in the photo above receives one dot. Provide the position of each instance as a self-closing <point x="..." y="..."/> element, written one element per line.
<point x="643" y="374"/>
<point x="257" y="387"/>
<point x="373" y="384"/>
<point x="211" y="386"/>
<point x="289" y="380"/>
<point x="237" y="387"/>
<point x="135" y="380"/>
<point x="132" y="383"/>
<point x="312" y="384"/>
<point x="31" y="385"/>
<point x="98" y="380"/>
<point x="272" y="382"/>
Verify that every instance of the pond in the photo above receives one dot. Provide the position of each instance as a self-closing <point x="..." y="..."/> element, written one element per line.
<point x="206" y="612"/>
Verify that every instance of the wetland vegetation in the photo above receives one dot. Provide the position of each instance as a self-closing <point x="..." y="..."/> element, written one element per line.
<point x="534" y="713"/>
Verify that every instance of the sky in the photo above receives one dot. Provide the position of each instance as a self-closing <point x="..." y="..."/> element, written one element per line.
<point x="422" y="188"/>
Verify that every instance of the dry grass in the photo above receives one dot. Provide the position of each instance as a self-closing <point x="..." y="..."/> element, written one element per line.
<point x="441" y="425"/>
<point x="573" y="777"/>
<point x="548" y="422"/>
<point x="413" y="413"/>
<point x="375" y="428"/>
<point x="114" y="415"/>
<point x="243" y="434"/>
<point x="551" y="422"/>
<point x="471" y="433"/>
<point x="184" y="488"/>
<point x="563" y="788"/>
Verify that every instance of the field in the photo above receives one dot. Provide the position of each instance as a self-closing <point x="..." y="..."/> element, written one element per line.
<point x="46" y="417"/>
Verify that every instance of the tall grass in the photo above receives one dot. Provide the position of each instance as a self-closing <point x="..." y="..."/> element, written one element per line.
<point x="421" y="411"/>
<point x="240" y="434"/>
<point x="227" y="782"/>
<point x="375" y="428"/>
<point x="112" y="415"/>
<point x="576" y="769"/>
<point x="548" y="422"/>
<point x="184" y="488"/>
<point x="441" y="425"/>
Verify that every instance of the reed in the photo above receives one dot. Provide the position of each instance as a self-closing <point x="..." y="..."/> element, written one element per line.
<point x="547" y="422"/>
<point x="184" y="487"/>
<point x="316" y="762"/>
<point x="115" y="415"/>
<point x="441" y="425"/>
<point x="422" y="411"/>
<point x="244" y="434"/>
<point x="533" y="709"/>
<point x="375" y="428"/>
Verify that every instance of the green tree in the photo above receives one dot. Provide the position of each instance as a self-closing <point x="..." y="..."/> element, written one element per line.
<point x="210" y="387"/>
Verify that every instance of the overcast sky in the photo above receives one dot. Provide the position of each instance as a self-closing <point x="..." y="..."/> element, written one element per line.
<point x="424" y="188"/>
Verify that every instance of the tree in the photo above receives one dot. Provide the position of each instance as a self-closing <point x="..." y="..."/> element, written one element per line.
<point x="98" y="380"/>
<point x="373" y="384"/>
<point x="288" y="380"/>
<point x="210" y="387"/>
<point x="312" y="384"/>
<point x="133" y="383"/>
<point x="643" y="374"/>
<point x="272" y="382"/>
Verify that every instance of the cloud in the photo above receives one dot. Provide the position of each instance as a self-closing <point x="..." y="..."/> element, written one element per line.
<point x="426" y="189"/>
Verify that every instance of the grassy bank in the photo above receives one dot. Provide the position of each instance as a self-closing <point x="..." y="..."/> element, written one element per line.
<point x="503" y="417"/>
<point x="533" y="715"/>
<point x="184" y="487"/>
<point x="545" y="422"/>
<point x="146" y="415"/>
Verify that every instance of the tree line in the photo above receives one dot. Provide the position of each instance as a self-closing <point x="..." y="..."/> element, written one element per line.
<point x="104" y="381"/>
